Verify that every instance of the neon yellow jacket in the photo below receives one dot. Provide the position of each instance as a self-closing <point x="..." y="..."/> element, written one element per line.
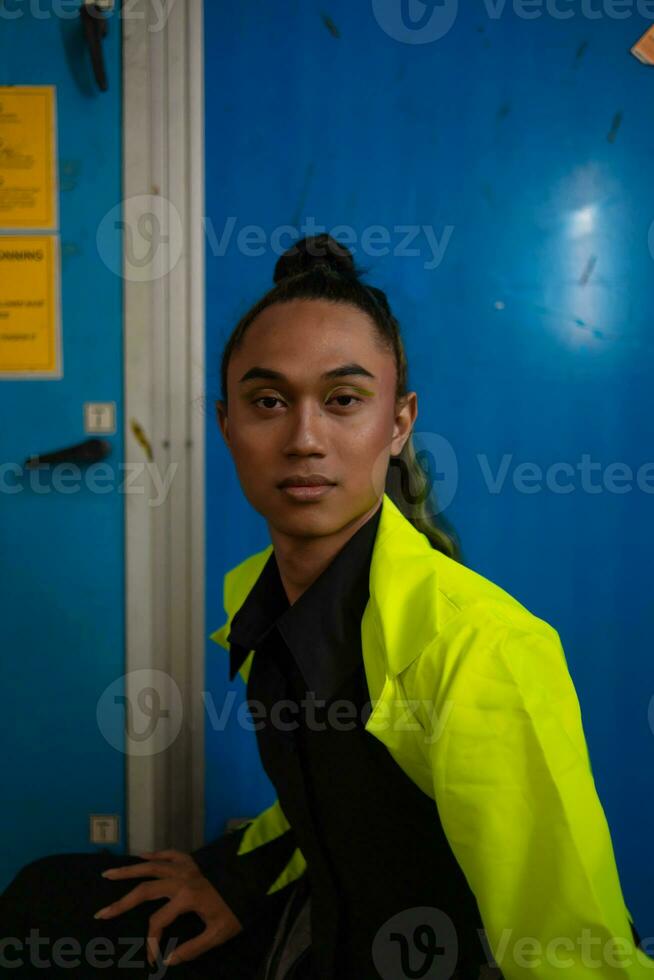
<point x="472" y="697"/>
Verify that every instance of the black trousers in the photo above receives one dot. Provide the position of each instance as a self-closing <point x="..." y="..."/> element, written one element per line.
<point x="47" y="927"/>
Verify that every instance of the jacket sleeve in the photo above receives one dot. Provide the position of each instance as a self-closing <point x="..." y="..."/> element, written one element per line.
<point x="515" y="792"/>
<point x="248" y="864"/>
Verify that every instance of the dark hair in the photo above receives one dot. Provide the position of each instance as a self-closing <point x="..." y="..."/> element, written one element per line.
<point x="322" y="268"/>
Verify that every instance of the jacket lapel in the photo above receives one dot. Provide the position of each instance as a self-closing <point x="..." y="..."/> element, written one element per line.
<point x="399" y="622"/>
<point x="400" y="617"/>
<point x="402" y="591"/>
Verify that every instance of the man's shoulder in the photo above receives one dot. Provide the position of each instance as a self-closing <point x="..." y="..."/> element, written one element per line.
<point x="488" y="652"/>
<point x="469" y="596"/>
<point x="487" y="641"/>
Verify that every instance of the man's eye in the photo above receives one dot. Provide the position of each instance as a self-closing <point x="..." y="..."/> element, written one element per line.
<point x="266" y="398"/>
<point x="273" y="398"/>
<point x="353" y="397"/>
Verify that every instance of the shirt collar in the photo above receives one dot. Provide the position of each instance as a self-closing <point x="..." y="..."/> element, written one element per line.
<point x="322" y="629"/>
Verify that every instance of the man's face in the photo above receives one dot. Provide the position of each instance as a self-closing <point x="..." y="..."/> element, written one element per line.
<point x="343" y="427"/>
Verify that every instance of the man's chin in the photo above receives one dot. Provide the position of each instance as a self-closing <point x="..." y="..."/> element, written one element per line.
<point x="306" y="519"/>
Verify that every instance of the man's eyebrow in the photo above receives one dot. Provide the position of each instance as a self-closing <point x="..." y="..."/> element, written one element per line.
<point x="344" y="371"/>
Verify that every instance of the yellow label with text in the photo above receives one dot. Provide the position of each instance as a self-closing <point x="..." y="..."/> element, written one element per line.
<point x="28" y="193"/>
<point x="28" y="303"/>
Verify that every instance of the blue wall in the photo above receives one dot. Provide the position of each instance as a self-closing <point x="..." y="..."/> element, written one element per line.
<point x="62" y="553"/>
<point x="526" y="147"/>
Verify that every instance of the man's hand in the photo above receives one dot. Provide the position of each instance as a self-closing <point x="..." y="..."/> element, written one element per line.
<point x="180" y="880"/>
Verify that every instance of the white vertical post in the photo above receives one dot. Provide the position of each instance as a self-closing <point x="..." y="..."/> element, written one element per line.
<point x="163" y="85"/>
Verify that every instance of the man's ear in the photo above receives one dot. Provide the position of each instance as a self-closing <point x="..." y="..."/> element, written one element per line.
<point x="221" y="415"/>
<point x="405" y="415"/>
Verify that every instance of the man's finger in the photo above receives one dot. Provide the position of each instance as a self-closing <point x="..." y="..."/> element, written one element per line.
<point x="148" y="891"/>
<point x="145" y="870"/>
<point x="154" y="950"/>
<point x="194" y="947"/>
<point x="163" y="917"/>
<point x="158" y="921"/>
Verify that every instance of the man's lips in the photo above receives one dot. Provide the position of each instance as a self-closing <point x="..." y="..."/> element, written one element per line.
<point x="307" y="492"/>
<point x="314" y="480"/>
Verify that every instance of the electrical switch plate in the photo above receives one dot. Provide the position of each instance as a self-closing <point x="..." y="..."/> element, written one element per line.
<point x="104" y="828"/>
<point x="100" y="417"/>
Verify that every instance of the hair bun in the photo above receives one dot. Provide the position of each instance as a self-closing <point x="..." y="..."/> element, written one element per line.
<point x="317" y="252"/>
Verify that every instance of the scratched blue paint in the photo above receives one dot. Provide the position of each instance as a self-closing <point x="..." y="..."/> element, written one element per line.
<point x="62" y="600"/>
<point x="533" y="141"/>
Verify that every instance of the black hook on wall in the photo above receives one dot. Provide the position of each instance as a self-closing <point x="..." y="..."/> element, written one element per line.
<point x="96" y="28"/>
<point x="89" y="451"/>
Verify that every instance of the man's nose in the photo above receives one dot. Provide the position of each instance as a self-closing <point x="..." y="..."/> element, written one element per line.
<point x="307" y="429"/>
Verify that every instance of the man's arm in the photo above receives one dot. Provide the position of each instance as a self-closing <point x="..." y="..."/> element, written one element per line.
<point x="515" y="792"/>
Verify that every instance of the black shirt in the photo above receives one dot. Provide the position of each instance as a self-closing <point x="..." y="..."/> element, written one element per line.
<point x="384" y="883"/>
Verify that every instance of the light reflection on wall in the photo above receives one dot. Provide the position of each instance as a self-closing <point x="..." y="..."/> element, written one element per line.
<point x="582" y="296"/>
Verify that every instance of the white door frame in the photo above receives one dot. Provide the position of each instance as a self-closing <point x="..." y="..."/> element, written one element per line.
<point x="164" y="363"/>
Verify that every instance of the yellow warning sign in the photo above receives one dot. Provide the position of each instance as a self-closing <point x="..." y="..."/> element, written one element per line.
<point x="28" y="158"/>
<point x="29" y="305"/>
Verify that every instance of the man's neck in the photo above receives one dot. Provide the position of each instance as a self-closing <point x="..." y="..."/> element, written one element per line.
<point x="302" y="560"/>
